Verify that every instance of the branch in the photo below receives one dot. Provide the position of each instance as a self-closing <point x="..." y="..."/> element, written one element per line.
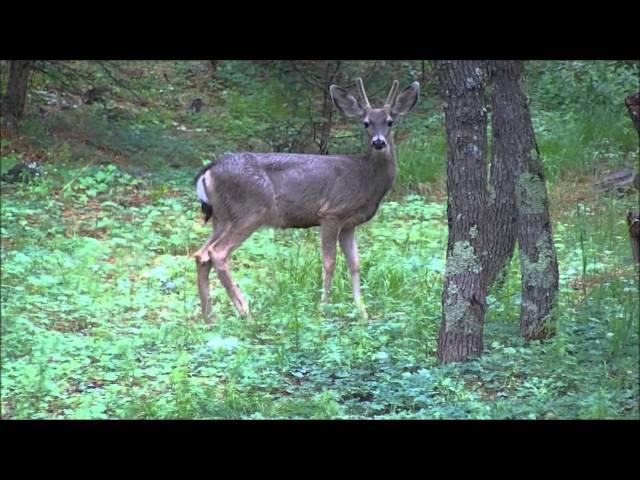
<point x="306" y="77"/>
<point x="76" y="72"/>
<point x="368" y="76"/>
<point x="335" y="72"/>
<point x="121" y="83"/>
<point x="58" y="77"/>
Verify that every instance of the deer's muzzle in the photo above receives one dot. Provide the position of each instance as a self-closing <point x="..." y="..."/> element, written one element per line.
<point x="379" y="143"/>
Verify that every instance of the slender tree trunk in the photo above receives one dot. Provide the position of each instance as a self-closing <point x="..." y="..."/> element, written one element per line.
<point x="327" y="109"/>
<point x="633" y="218"/>
<point x="538" y="262"/>
<point x="633" y="221"/>
<point x="501" y="215"/>
<point x="325" y="127"/>
<point x="633" y="106"/>
<point x="465" y="288"/>
<point x="214" y="67"/>
<point x="14" y="102"/>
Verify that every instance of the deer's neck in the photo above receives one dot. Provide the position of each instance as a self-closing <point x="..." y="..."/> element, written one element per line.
<point x="384" y="163"/>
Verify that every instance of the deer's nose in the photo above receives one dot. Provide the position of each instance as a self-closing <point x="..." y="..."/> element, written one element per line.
<point x="379" y="143"/>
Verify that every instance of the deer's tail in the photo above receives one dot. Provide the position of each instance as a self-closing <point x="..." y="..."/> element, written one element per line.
<point x="207" y="210"/>
<point x="201" y="185"/>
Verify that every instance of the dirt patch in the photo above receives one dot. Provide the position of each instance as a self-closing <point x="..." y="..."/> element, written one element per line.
<point x="18" y="145"/>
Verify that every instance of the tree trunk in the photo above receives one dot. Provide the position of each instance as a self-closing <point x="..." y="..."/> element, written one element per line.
<point x="501" y="215"/>
<point x="327" y="109"/>
<point x="633" y="106"/>
<point x="465" y="288"/>
<point x="325" y="126"/>
<point x="538" y="262"/>
<point x="14" y="102"/>
<point x="214" y="67"/>
<point x="633" y="221"/>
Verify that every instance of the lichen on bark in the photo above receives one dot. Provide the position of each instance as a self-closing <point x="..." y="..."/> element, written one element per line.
<point x="457" y="312"/>
<point x="536" y="273"/>
<point x="530" y="194"/>
<point x="462" y="259"/>
<point x="454" y="308"/>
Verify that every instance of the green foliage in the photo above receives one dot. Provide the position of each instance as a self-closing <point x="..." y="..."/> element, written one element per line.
<point x="100" y="309"/>
<point x="7" y="162"/>
<point x="579" y="115"/>
<point x="585" y="86"/>
<point x="422" y="157"/>
<point x="101" y="320"/>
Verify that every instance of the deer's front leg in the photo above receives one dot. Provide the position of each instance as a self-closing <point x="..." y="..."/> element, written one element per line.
<point x="329" y="238"/>
<point x="350" y="249"/>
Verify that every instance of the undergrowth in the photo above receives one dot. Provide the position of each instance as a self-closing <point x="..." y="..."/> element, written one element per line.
<point x="100" y="310"/>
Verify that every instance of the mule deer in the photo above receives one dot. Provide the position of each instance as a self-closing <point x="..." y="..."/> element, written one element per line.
<point x="245" y="191"/>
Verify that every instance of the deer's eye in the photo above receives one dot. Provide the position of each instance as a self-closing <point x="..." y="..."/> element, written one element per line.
<point x="366" y="124"/>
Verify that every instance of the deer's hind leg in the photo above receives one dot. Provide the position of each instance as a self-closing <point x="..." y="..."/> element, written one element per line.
<point x="202" y="255"/>
<point x="220" y="253"/>
<point x="203" y="268"/>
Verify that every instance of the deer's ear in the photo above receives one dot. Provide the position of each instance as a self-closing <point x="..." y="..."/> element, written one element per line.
<point x="406" y="100"/>
<point x="346" y="103"/>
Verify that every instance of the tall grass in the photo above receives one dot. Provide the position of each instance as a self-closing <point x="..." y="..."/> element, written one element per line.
<point x="585" y="144"/>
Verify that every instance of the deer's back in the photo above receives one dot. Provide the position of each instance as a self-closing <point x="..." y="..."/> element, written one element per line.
<point x="295" y="190"/>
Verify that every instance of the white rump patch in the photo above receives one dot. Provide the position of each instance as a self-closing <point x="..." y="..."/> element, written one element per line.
<point x="200" y="189"/>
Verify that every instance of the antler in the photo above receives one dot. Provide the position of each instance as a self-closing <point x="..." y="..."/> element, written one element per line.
<point x="392" y="94"/>
<point x="363" y="95"/>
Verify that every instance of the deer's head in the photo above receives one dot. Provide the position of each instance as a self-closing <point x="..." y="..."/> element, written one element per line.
<point x="377" y="121"/>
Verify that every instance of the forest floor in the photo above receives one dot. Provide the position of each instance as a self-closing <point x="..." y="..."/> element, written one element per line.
<point x="100" y="312"/>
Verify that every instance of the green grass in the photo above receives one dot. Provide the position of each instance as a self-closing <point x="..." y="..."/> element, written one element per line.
<point x="422" y="158"/>
<point x="100" y="317"/>
<point x="100" y="309"/>
<point x="585" y="143"/>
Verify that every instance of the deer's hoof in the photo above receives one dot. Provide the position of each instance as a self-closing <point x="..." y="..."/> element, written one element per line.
<point x="242" y="307"/>
<point x="207" y="314"/>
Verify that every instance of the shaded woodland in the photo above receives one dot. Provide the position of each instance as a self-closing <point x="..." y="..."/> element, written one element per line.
<point x="500" y="273"/>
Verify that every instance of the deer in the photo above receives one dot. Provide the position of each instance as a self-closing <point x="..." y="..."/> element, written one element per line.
<point x="243" y="192"/>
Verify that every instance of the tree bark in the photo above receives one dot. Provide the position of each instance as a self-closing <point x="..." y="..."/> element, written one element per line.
<point x="538" y="262"/>
<point x="633" y="221"/>
<point x="633" y="106"/>
<point x="327" y="109"/>
<point x="501" y="217"/>
<point x="465" y="288"/>
<point x="14" y="102"/>
<point x="319" y="74"/>
<point x="214" y="67"/>
<point x="325" y="126"/>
